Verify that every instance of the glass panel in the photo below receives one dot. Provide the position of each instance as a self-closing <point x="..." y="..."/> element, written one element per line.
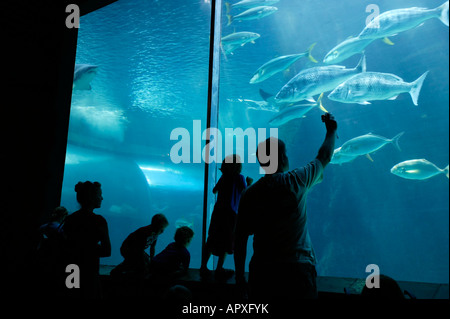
<point x="361" y="213"/>
<point x="151" y="78"/>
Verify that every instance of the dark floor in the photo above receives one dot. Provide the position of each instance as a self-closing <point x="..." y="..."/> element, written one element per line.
<point x="212" y="290"/>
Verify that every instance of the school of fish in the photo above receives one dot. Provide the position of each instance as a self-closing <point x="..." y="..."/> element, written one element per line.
<point x="350" y="86"/>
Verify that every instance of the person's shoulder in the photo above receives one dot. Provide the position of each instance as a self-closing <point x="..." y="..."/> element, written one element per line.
<point x="314" y="164"/>
<point x="100" y="219"/>
<point x="72" y="217"/>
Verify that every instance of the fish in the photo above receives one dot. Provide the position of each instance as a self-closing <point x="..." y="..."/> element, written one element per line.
<point x="340" y="158"/>
<point x="419" y="169"/>
<point x="392" y="22"/>
<point x="252" y="14"/>
<point x="182" y="221"/>
<point x="238" y="39"/>
<point x="123" y="209"/>
<point x="371" y="86"/>
<point x="249" y="4"/>
<point x="346" y="49"/>
<point x="290" y="113"/>
<point x="317" y="80"/>
<point x="83" y="75"/>
<point x="369" y="143"/>
<point x="257" y="105"/>
<point x="279" y="64"/>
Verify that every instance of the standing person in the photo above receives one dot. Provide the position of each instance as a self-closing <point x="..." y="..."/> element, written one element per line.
<point x="87" y="238"/>
<point x="220" y="240"/>
<point x="136" y="260"/>
<point x="274" y="210"/>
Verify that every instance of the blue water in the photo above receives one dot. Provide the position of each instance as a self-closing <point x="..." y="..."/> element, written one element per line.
<point x="153" y="77"/>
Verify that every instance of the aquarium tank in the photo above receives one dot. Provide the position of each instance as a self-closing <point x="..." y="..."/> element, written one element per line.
<point x="150" y="78"/>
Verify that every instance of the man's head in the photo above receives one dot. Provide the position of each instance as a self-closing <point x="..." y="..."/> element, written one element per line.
<point x="272" y="156"/>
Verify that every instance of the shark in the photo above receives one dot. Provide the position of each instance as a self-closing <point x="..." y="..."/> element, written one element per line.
<point x="83" y="75"/>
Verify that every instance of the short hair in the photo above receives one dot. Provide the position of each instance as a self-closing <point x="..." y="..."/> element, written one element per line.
<point x="183" y="235"/>
<point x="159" y="221"/>
<point x="85" y="190"/>
<point x="231" y="165"/>
<point x="59" y="212"/>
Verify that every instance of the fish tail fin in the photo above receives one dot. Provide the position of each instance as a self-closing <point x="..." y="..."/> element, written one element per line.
<point x="396" y="139"/>
<point x="308" y="52"/>
<point x="445" y="171"/>
<point x="362" y="66"/>
<point x="228" y="6"/>
<point x="319" y="103"/>
<point x="230" y="19"/>
<point x="444" y="13"/>
<point x="416" y="87"/>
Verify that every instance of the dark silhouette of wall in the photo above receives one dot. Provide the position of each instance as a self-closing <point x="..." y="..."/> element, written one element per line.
<point x="38" y="61"/>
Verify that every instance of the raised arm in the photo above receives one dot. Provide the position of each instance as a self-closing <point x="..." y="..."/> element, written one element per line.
<point x="326" y="150"/>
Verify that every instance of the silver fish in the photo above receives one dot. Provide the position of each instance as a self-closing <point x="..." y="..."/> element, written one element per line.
<point x="279" y="64"/>
<point x="238" y="39"/>
<point x="252" y="14"/>
<point x="182" y="221"/>
<point x="313" y="81"/>
<point x="249" y="4"/>
<point x="367" y="144"/>
<point x="419" y="169"/>
<point x="346" y="49"/>
<point x="393" y="22"/>
<point x="290" y="113"/>
<point x="372" y="86"/>
<point x="340" y="158"/>
<point x="257" y="105"/>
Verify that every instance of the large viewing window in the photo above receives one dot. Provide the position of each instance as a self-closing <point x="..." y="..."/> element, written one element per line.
<point x="141" y="75"/>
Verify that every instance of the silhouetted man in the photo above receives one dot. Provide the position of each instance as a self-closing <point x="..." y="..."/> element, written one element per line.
<point x="274" y="210"/>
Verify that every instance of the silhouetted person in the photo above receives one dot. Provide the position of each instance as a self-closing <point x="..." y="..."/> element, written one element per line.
<point x="87" y="239"/>
<point x="49" y="251"/>
<point x="174" y="260"/>
<point x="136" y="260"/>
<point x="220" y="240"/>
<point x="273" y="209"/>
<point x="388" y="290"/>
